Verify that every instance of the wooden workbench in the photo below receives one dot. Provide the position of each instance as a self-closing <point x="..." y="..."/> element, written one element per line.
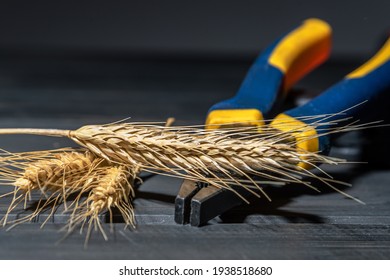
<point x="53" y="91"/>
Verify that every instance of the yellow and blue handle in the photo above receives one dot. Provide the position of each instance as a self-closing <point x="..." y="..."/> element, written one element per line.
<point x="361" y="85"/>
<point x="280" y="66"/>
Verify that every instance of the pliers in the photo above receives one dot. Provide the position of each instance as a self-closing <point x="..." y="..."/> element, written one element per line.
<point x="273" y="73"/>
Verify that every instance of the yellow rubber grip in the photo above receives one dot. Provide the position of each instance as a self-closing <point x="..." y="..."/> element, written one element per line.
<point x="237" y="117"/>
<point x="301" y="50"/>
<point x="305" y="136"/>
<point x="380" y="58"/>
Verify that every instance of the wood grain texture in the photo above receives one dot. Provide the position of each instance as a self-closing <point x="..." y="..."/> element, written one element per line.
<point x="298" y="224"/>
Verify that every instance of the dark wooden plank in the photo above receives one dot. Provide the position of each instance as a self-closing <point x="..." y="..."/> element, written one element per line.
<point x="218" y="241"/>
<point x="298" y="224"/>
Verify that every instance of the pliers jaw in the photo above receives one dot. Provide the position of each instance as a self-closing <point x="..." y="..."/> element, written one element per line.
<point x="188" y="190"/>
<point x="197" y="203"/>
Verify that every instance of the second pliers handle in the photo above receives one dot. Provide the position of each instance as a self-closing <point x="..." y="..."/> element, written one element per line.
<point x="281" y="65"/>
<point x="340" y="101"/>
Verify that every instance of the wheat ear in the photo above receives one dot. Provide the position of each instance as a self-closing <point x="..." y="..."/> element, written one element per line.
<point x="112" y="187"/>
<point x="55" y="175"/>
<point x="219" y="157"/>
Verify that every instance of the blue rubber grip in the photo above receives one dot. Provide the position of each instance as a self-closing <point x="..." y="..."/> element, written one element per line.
<point x="343" y="97"/>
<point x="260" y="87"/>
<point x="281" y="65"/>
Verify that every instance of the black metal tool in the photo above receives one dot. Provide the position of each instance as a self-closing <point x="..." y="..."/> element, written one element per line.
<point x="197" y="203"/>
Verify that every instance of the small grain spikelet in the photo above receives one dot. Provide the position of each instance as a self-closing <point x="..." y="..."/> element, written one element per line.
<point x="112" y="187"/>
<point x="64" y="171"/>
<point x="53" y="175"/>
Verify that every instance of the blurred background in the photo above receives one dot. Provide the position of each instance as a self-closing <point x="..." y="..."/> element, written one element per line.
<point x="55" y="55"/>
<point x="173" y="27"/>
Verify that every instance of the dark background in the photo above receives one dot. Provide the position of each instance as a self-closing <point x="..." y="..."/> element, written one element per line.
<point x="121" y="58"/>
<point x="64" y="64"/>
<point x="216" y="27"/>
